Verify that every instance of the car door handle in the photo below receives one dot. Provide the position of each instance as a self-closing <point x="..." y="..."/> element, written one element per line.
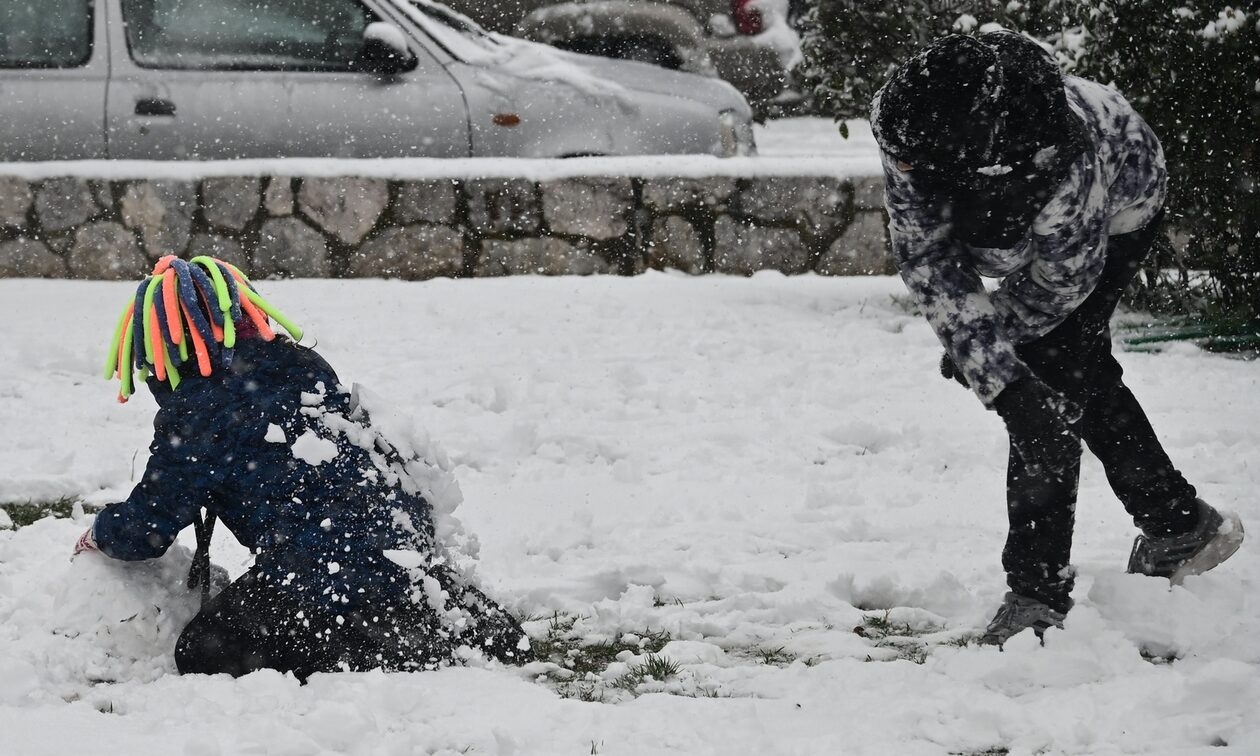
<point x="154" y="106"/>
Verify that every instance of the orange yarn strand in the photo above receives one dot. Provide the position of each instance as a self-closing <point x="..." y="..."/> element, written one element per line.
<point x="260" y="320"/>
<point x="170" y="303"/>
<point x="159" y="346"/>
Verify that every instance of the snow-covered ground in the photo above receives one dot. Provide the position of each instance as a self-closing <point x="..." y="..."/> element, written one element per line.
<point x="813" y="137"/>
<point x="754" y="467"/>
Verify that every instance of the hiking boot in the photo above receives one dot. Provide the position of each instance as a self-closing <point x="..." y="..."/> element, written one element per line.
<point x="1176" y="557"/>
<point x="1018" y="613"/>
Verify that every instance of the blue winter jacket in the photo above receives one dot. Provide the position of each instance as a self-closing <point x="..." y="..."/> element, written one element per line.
<point x="275" y="449"/>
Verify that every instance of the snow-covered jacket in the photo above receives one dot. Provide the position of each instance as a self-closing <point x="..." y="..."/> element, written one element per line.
<point x="278" y="450"/>
<point x="1117" y="185"/>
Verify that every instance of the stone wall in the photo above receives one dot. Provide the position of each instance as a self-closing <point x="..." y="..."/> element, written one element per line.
<point x="418" y="229"/>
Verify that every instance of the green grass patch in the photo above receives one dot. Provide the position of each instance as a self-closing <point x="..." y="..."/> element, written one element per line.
<point x="778" y="657"/>
<point x="906" y="641"/>
<point x="653" y="668"/>
<point x="581" y="664"/>
<point x="24" y="513"/>
<point x="1212" y="333"/>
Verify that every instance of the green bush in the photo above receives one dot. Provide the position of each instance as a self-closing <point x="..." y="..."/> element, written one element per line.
<point x="1192" y="69"/>
<point x="851" y="46"/>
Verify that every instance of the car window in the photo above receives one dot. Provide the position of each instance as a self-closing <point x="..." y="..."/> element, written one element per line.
<point x="319" y="35"/>
<point x="45" y="33"/>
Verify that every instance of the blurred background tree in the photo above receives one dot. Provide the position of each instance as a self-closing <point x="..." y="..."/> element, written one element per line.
<point x="1191" y="68"/>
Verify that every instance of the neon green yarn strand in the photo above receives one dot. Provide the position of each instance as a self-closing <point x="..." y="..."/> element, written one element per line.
<point x="237" y="271"/>
<point x="273" y="313"/>
<point x="124" y="365"/>
<point x="111" y="364"/>
<point x="172" y="373"/>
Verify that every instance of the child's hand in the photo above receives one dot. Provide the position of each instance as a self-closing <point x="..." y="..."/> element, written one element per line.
<point x="86" y="542"/>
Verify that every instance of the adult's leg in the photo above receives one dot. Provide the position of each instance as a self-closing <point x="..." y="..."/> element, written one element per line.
<point x="1076" y="360"/>
<point x="1114" y="426"/>
<point x="1153" y="491"/>
<point x="1041" y="508"/>
<point x="1042" y="511"/>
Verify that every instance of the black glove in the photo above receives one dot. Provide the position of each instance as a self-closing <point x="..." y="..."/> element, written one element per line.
<point x="1037" y="419"/>
<point x="951" y="371"/>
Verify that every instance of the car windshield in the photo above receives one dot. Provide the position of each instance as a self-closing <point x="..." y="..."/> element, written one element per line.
<point x="459" y="34"/>
<point x="450" y="17"/>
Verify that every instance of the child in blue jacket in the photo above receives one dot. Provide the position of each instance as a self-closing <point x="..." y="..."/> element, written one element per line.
<point x="259" y="432"/>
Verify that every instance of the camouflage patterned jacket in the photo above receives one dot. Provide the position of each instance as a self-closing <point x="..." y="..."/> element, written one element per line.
<point x="1117" y="185"/>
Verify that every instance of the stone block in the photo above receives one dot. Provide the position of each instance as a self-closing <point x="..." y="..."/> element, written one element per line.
<point x="503" y="206"/>
<point x="744" y="249"/>
<point x="278" y="196"/>
<point x="813" y="205"/>
<point x="596" y="207"/>
<point x="227" y="250"/>
<point x="162" y="211"/>
<point x="426" y="202"/>
<point x="675" y="244"/>
<point x="413" y="253"/>
<point x="59" y="243"/>
<point x="288" y="247"/>
<point x="16" y="199"/>
<point x="27" y="258"/>
<point x="345" y="208"/>
<point x="671" y="195"/>
<point x="868" y="193"/>
<point x="103" y="193"/>
<point x="108" y="251"/>
<point x="862" y="250"/>
<point x="230" y="203"/>
<point x="64" y="203"/>
<point x="544" y="257"/>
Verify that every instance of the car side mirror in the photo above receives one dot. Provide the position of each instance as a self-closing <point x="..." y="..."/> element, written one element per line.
<point x="385" y="50"/>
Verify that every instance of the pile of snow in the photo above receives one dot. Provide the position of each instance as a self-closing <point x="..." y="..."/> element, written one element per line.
<point x="752" y="467"/>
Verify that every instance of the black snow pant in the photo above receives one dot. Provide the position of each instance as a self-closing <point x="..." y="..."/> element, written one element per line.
<point x="253" y="624"/>
<point x="1076" y="360"/>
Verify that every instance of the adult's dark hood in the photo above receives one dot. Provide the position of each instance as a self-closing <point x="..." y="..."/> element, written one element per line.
<point x="985" y="122"/>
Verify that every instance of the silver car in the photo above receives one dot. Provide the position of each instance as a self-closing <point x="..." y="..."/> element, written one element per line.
<point x="227" y="79"/>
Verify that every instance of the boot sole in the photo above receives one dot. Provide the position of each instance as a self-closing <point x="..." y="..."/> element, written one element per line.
<point x="1228" y="539"/>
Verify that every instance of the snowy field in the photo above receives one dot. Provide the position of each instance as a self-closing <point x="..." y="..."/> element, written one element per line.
<point x="734" y="473"/>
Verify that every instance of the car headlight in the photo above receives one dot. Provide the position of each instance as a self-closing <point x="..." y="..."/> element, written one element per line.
<point x="737" y="135"/>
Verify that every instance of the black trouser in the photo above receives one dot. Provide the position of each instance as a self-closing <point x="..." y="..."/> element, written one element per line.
<point x="1075" y="359"/>
<point x="252" y="624"/>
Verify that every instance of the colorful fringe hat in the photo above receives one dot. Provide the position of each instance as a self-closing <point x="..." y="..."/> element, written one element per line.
<point x="201" y="301"/>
